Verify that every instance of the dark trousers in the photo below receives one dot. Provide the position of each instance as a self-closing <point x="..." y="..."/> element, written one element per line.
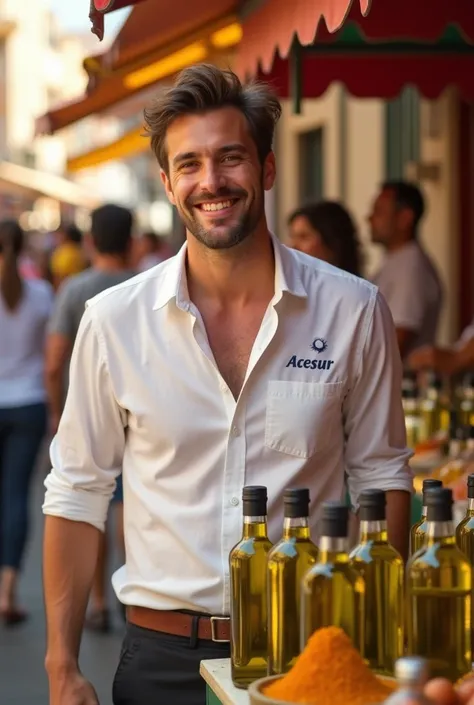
<point x="22" y="429"/>
<point x="162" y="669"/>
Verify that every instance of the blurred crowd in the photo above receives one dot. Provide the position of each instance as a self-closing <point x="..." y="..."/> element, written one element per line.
<point x="43" y="293"/>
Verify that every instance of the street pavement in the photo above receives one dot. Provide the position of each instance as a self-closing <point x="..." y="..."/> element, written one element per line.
<point x="22" y="676"/>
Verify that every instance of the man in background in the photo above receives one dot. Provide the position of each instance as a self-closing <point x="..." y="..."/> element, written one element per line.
<point x="151" y="250"/>
<point x="110" y="245"/>
<point x="407" y="279"/>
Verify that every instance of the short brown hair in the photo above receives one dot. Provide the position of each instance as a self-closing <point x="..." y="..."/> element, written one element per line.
<point x="205" y="87"/>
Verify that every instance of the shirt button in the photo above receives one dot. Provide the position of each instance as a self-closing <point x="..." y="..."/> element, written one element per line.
<point x="234" y="501"/>
<point x="235" y="431"/>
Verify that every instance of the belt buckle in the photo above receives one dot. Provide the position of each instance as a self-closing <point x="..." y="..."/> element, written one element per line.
<point x="214" y="621"/>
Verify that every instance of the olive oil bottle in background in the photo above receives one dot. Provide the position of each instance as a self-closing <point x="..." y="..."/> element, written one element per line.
<point x="454" y="465"/>
<point x="248" y="580"/>
<point x="466" y="402"/>
<point x="434" y="409"/>
<point x="439" y="594"/>
<point x="465" y="530"/>
<point x="418" y="530"/>
<point x="332" y="592"/>
<point x="288" y="562"/>
<point x="410" y="409"/>
<point x="381" y="568"/>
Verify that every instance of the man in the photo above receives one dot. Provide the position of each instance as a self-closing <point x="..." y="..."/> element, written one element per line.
<point x="446" y="361"/>
<point x="151" y="250"/>
<point x="408" y="279"/>
<point x="110" y="245"/>
<point x="237" y="362"/>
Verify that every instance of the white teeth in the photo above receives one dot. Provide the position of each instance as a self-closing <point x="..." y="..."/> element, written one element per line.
<point x="216" y="206"/>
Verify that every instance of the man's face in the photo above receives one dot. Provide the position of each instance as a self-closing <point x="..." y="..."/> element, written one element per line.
<point x="383" y="219"/>
<point x="215" y="179"/>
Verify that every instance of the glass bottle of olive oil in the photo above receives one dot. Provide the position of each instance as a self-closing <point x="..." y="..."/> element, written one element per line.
<point x="248" y="580"/>
<point x="466" y="403"/>
<point x="410" y="409"/>
<point x="465" y="529"/>
<point x="288" y="561"/>
<point x="418" y="530"/>
<point x="381" y="567"/>
<point x="439" y="594"/>
<point x="434" y="409"/>
<point x="332" y="591"/>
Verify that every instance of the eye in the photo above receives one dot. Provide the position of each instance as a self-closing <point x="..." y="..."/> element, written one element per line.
<point x="232" y="158"/>
<point x="187" y="166"/>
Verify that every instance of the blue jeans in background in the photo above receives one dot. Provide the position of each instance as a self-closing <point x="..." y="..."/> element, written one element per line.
<point x="22" y="429"/>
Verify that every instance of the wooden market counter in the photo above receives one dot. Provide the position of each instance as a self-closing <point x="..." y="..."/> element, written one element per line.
<point x="220" y="690"/>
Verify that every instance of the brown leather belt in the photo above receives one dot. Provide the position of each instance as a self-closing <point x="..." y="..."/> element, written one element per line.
<point x="181" y="624"/>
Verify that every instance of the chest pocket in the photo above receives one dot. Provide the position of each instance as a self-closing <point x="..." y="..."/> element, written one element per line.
<point x="303" y="418"/>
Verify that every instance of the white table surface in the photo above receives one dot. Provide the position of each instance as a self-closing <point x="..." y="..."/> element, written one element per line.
<point x="216" y="673"/>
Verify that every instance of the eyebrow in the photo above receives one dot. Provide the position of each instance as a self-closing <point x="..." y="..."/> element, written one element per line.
<point x="184" y="156"/>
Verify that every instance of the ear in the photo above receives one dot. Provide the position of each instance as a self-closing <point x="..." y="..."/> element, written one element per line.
<point x="406" y="218"/>
<point x="269" y="172"/>
<point x="166" y="183"/>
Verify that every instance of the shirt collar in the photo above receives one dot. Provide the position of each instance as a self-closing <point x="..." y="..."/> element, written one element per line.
<point x="174" y="284"/>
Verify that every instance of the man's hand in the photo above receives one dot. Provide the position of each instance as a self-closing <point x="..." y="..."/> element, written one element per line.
<point x="431" y="358"/>
<point x="71" y="689"/>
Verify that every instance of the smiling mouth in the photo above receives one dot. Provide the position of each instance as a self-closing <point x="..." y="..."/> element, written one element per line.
<point x="218" y="206"/>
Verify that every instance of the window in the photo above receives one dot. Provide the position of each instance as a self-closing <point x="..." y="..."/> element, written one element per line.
<point x="402" y="132"/>
<point x="311" y="166"/>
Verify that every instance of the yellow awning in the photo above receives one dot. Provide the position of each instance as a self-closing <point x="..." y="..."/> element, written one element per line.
<point x="130" y="144"/>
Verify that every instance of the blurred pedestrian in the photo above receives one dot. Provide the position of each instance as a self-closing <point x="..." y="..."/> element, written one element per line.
<point x="68" y="258"/>
<point x="326" y="230"/>
<point x="151" y="250"/>
<point x="110" y="245"/>
<point x="408" y="278"/>
<point x="25" y="306"/>
<point x="446" y="360"/>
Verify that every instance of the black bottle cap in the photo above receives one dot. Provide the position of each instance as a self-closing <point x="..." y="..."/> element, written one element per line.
<point x="470" y="486"/>
<point x="254" y="498"/>
<point x="471" y="432"/>
<point x="430" y="484"/>
<point x="409" y="385"/>
<point x="296" y="503"/>
<point x="468" y="379"/>
<point x="439" y="504"/>
<point x="372" y="505"/>
<point x="335" y="520"/>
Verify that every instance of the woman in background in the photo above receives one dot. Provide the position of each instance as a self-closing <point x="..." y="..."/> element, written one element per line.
<point x="326" y="230"/>
<point x="25" y="306"/>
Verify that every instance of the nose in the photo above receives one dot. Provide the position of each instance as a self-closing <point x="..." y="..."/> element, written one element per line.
<point x="212" y="178"/>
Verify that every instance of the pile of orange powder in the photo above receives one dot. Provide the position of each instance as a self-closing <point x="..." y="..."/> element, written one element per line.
<point x="330" y="671"/>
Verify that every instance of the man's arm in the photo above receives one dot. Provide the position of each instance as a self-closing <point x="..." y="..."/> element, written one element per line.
<point x="376" y="454"/>
<point x="86" y="458"/>
<point x="446" y="361"/>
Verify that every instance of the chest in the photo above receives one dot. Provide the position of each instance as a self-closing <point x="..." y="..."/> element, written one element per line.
<point x="231" y="339"/>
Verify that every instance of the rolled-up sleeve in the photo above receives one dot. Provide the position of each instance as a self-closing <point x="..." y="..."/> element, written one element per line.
<point x="87" y="451"/>
<point x="376" y="455"/>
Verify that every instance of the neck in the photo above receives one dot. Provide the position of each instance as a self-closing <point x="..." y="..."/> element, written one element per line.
<point x="255" y="527"/>
<point x="373" y="531"/>
<point x="437" y="531"/>
<point x="110" y="263"/>
<point x="331" y="547"/>
<point x="296" y="528"/>
<point x="470" y="507"/>
<point x="237" y="275"/>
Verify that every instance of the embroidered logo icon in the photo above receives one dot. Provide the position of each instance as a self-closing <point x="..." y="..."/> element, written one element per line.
<point x="319" y="345"/>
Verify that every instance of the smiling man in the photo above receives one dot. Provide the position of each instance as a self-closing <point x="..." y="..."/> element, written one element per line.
<point x="237" y="362"/>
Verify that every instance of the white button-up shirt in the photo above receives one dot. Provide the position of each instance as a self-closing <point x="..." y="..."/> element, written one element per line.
<point x="321" y="396"/>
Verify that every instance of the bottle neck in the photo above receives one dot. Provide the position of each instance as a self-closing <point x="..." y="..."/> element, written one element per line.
<point x="255" y="527"/>
<point x="440" y="532"/>
<point x="296" y="528"/>
<point x="373" y="531"/>
<point x="331" y="546"/>
<point x="470" y="508"/>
